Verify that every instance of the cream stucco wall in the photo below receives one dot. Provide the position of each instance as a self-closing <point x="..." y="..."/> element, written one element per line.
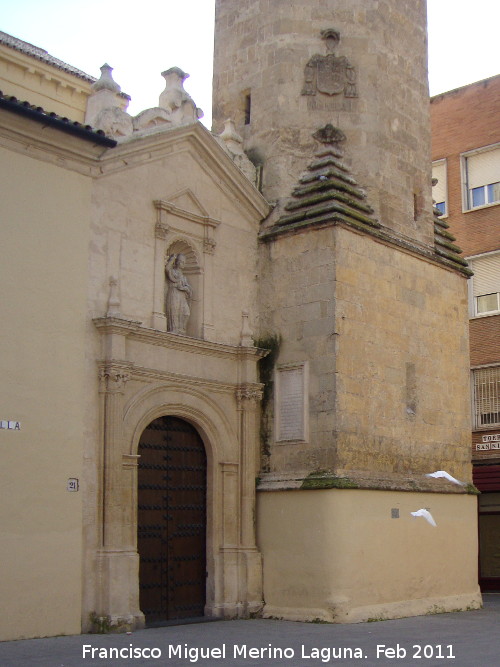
<point x="351" y="561"/>
<point x="44" y="238"/>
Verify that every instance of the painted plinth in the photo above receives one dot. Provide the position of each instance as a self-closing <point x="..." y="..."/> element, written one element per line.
<point x="338" y="555"/>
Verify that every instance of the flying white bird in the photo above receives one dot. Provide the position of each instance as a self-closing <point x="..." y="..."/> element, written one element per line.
<point x="426" y="515"/>
<point x="446" y="475"/>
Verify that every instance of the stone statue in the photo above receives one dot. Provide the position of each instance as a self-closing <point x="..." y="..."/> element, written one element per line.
<point x="179" y="294"/>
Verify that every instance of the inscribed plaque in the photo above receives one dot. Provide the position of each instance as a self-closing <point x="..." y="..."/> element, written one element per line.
<point x="291" y="403"/>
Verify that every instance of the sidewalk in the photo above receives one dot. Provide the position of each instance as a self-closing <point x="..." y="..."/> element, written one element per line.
<point x="464" y="639"/>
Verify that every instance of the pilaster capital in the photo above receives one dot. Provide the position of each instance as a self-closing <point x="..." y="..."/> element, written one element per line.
<point x="209" y="245"/>
<point x="112" y="379"/>
<point x="248" y="395"/>
<point x="161" y="230"/>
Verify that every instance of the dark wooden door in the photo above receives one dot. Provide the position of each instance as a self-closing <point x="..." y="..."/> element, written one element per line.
<point x="171" y="522"/>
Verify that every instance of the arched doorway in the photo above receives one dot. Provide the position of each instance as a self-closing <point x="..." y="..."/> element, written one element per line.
<point x="171" y="522"/>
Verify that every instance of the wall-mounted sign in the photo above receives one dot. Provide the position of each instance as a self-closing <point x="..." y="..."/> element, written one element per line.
<point x="491" y="437"/>
<point x="10" y="425"/>
<point x="72" y="484"/>
<point x="487" y="446"/>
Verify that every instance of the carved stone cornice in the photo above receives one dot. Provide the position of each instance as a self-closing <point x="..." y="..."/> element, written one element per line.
<point x="355" y="479"/>
<point x="134" y="330"/>
<point x="181" y="381"/>
<point x="50" y="145"/>
<point x="205" y="220"/>
<point x="116" y="325"/>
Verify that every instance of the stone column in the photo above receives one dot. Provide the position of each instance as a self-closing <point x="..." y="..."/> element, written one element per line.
<point x="248" y="397"/>
<point x="227" y="603"/>
<point x="209" y="244"/>
<point x="117" y="558"/>
<point x="159" y="320"/>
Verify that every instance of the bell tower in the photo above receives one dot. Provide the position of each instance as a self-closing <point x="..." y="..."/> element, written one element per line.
<point x="363" y="298"/>
<point x="283" y="69"/>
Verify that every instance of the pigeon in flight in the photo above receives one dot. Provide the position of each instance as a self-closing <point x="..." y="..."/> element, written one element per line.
<point x="446" y="475"/>
<point x="426" y="515"/>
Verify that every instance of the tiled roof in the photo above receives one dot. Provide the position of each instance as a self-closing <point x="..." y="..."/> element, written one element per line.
<point x="327" y="192"/>
<point x="444" y="246"/>
<point x="38" y="114"/>
<point x="42" y="55"/>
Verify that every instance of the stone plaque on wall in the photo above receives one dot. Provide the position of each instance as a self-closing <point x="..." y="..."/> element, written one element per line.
<point x="291" y="415"/>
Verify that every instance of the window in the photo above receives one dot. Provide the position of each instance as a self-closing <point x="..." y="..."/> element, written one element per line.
<point x="486" y="392"/>
<point x="485" y="285"/>
<point x="439" y="186"/>
<point x="248" y="108"/>
<point x="482" y="178"/>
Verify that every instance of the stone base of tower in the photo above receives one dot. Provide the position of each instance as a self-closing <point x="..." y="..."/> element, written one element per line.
<point x="354" y="555"/>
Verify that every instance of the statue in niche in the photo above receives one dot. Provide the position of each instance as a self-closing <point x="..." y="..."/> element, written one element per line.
<point x="179" y="294"/>
<point x="330" y="74"/>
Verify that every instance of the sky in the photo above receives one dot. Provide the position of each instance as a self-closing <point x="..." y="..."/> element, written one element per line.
<point x="142" y="39"/>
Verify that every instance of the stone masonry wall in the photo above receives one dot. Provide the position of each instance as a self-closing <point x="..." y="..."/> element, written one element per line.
<point x="386" y="339"/>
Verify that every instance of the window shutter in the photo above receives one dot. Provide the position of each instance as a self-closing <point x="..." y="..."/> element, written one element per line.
<point x="483" y="168"/>
<point x="439" y="190"/>
<point x="486" y="279"/>
<point x="487" y="396"/>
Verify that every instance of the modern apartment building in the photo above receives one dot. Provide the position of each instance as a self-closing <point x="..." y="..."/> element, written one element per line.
<point x="466" y="166"/>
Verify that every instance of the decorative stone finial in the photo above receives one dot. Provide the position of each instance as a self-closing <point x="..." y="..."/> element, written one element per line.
<point x="176" y="100"/>
<point x="246" y="334"/>
<point x="231" y="138"/>
<point x="329" y="135"/>
<point x="114" y="298"/>
<point x="106" y="82"/>
<point x="106" y="106"/>
<point x="231" y="141"/>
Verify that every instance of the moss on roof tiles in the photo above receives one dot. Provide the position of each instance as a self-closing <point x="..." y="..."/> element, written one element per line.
<point x="327" y="191"/>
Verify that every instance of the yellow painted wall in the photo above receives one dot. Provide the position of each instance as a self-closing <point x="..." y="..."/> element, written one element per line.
<point x="41" y="84"/>
<point x="338" y="555"/>
<point x="44" y="243"/>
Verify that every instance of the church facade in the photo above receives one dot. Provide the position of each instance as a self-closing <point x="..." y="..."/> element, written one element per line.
<point x="229" y="356"/>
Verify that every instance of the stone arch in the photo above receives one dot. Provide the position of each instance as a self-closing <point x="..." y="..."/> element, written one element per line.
<point x="193" y="404"/>
<point x="196" y="406"/>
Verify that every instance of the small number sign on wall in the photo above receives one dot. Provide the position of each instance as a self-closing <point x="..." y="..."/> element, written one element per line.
<point x="72" y="484"/>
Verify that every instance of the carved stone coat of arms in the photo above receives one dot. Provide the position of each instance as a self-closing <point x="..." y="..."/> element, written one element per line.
<point x="330" y="74"/>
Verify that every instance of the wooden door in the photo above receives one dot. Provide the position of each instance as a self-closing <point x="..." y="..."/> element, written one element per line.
<point x="171" y="522"/>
